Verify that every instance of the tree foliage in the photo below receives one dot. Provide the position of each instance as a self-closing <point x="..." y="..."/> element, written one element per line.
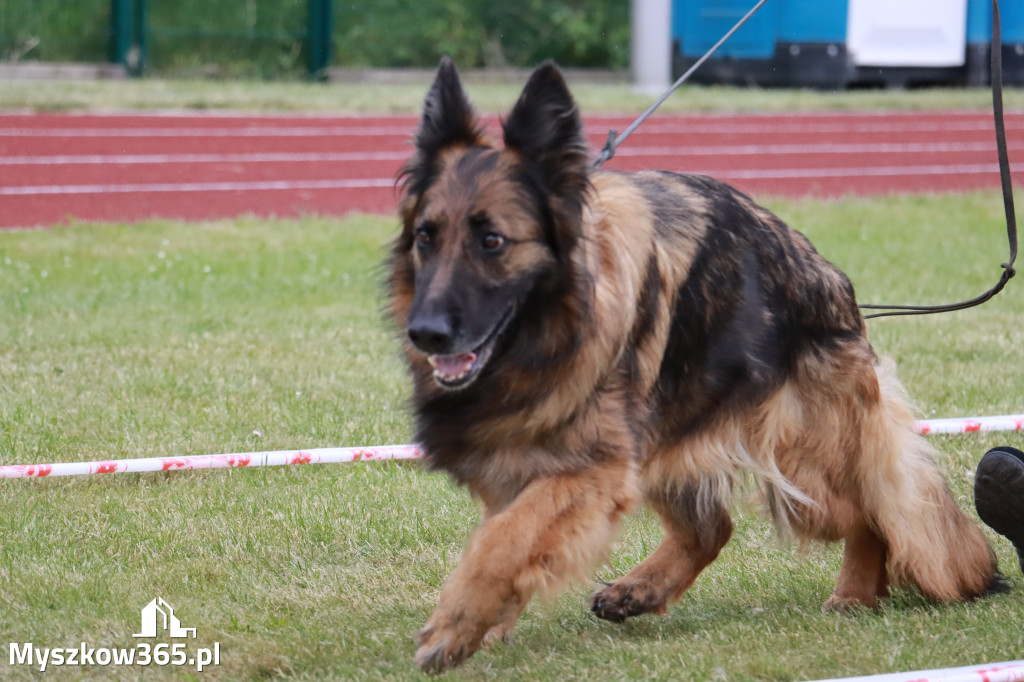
<point x="266" y="38"/>
<point x="483" y="33"/>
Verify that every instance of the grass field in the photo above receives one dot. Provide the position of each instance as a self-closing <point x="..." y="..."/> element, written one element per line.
<point x="166" y="338"/>
<point x="376" y="98"/>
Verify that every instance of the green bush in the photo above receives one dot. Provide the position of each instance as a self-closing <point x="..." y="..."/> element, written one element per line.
<point x="266" y="38"/>
<point x="253" y="38"/>
<point x="54" y="30"/>
<point x="397" y="33"/>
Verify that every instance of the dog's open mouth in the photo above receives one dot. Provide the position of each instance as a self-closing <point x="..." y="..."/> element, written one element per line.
<point x="460" y="370"/>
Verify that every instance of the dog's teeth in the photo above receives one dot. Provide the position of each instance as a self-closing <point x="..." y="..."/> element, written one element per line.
<point x="448" y="377"/>
<point x="453" y="369"/>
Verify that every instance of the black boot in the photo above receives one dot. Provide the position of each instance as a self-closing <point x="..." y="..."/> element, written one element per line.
<point x="999" y="494"/>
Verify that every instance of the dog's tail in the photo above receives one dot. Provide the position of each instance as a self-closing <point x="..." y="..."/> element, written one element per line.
<point x="931" y="543"/>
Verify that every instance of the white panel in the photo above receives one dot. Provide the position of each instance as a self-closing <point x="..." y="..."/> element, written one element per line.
<point x="652" y="45"/>
<point x="907" y="32"/>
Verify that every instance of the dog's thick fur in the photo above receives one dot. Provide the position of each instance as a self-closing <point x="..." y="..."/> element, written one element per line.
<point x="581" y="341"/>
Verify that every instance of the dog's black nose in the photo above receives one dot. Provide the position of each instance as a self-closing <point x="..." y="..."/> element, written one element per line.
<point x="432" y="334"/>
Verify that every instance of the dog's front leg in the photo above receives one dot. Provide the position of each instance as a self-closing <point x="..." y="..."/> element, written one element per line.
<point x="555" y="529"/>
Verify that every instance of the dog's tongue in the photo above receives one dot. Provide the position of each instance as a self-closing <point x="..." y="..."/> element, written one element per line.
<point x="452" y="366"/>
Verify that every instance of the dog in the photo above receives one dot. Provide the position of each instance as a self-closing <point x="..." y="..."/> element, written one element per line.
<point x="583" y="341"/>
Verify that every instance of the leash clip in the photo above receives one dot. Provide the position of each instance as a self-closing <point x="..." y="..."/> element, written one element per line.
<point x="608" y="150"/>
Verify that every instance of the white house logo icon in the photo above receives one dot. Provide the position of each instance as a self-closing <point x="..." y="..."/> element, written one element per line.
<point x="157" y="613"/>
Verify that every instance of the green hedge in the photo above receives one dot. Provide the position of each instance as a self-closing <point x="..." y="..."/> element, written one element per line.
<point x="255" y="38"/>
<point x="54" y="30"/>
<point x="266" y="38"/>
<point x="581" y="33"/>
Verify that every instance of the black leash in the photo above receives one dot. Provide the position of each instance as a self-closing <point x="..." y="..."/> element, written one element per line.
<point x="996" y="47"/>
<point x="614" y="140"/>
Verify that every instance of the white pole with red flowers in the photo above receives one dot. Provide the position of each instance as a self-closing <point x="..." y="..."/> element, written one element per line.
<point x="1014" y="422"/>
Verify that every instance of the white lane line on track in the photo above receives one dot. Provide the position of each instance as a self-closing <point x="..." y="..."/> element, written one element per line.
<point x="369" y="183"/>
<point x="159" y="187"/>
<point x="699" y="127"/>
<point x="811" y="148"/>
<point x="343" y="157"/>
<point x="842" y="127"/>
<point x="878" y="171"/>
<point x="240" y="131"/>
<point x="255" y="157"/>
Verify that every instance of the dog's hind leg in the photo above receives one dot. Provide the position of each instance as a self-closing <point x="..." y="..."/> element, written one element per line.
<point x="697" y="526"/>
<point x="876" y="485"/>
<point x="557" y="528"/>
<point x="932" y="543"/>
<point x="862" y="578"/>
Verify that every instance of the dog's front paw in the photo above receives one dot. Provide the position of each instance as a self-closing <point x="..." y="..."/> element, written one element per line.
<point x="621" y="600"/>
<point x="442" y="647"/>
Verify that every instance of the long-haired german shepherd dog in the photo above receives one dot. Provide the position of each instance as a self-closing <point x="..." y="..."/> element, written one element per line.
<point x="582" y="340"/>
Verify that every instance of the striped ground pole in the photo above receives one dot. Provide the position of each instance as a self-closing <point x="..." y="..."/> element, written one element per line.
<point x="1008" y="671"/>
<point x="374" y="453"/>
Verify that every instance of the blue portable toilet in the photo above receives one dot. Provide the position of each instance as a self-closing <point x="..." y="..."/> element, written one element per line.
<point x="1012" y="15"/>
<point x="788" y="42"/>
<point x="979" y="33"/>
<point x="842" y="43"/>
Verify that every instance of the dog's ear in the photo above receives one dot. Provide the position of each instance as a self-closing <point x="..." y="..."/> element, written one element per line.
<point x="448" y="117"/>
<point x="448" y="120"/>
<point x="544" y="128"/>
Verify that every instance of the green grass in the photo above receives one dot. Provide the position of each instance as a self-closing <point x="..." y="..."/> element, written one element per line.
<point x="375" y="98"/>
<point x="168" y="338"/>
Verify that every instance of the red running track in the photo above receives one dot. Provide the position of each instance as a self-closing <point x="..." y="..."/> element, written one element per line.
<point x="60" y="167"/>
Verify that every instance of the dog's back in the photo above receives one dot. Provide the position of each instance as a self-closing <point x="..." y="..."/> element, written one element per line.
<point x="732" y="294"/>
<point x="757" y="360"/>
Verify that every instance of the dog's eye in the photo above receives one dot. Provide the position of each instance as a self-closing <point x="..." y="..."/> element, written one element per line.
<point x="424" y="236"/>
<point x="492" y="242"/>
